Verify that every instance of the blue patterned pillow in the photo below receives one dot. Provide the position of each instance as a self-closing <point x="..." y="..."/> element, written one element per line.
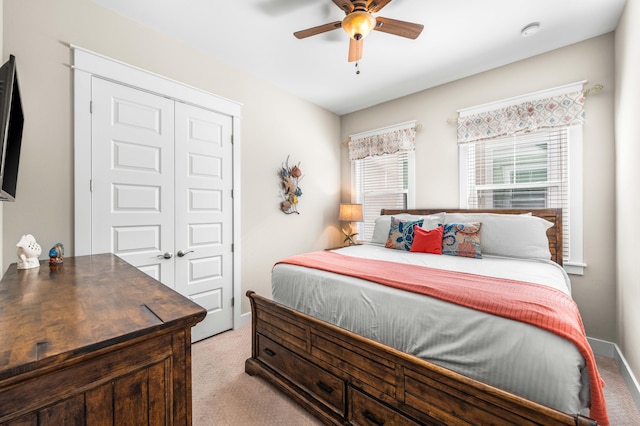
<point x="401" y="233"/>
<point x="462" y="239"/>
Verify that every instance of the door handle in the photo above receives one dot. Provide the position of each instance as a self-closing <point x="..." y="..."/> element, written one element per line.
<point x="167" y="255"/>
<point x="184" y="253"/>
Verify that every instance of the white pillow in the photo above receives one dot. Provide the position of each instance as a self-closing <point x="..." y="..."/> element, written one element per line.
<point x="522" y="236"/>
<point x="383" y="223"/>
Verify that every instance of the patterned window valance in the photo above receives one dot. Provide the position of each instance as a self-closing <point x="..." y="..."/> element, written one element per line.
<point x="389" y="140"/>
<point x="561" y="110"/>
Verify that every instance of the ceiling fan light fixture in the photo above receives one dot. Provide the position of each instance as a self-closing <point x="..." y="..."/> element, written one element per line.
<point x="358" y="24"/>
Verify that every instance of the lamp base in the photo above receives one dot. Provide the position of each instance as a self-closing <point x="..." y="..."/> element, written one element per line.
<point x="350" y="237"/>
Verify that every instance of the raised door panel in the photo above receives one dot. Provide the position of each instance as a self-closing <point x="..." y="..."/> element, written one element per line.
<point x="204" y="214"/>
<point x="162" y="185"/>
<point x="132" y="177"/>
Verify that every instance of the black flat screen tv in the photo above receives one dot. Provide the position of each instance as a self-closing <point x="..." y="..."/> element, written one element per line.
<point x="11" y="123"/>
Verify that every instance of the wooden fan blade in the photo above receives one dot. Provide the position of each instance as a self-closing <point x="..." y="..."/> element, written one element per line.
<point x="318" y="30"/>
<point x="399" y="28"/>
<point x="344" y="5"/>
<point x="374" y="6"/>
<point x="355" y="49"/>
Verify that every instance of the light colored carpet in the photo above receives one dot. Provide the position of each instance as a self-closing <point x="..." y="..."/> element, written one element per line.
<point x="224" y="395"/>
<point x="620" y="406"/>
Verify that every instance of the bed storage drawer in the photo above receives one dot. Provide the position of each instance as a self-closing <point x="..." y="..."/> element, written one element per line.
<point x="366" y="411"/>
<point x="322" y="385"/>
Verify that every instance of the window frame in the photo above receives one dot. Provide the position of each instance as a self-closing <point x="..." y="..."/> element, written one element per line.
<point x="574" y="264"/>
<point x="356" y="194"/>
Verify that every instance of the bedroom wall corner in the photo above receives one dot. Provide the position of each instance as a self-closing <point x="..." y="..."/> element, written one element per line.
<point x="627" y="109"/>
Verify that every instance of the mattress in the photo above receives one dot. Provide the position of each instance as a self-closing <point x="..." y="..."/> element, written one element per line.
<point x="511" y="355"/>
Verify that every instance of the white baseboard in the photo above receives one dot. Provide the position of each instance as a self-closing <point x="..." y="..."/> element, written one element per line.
<point x="611" y="350"/>
<point x="245" y="319"/>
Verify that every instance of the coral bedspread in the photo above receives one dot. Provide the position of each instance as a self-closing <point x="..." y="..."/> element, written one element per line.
<point x="531" y="303"/>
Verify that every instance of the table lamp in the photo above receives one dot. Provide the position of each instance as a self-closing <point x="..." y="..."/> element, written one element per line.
<point x="350" y="213"/>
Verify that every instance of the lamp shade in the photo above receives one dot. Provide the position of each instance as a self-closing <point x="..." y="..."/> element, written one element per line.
<point x="358" y="24"/>
<point x="351" y="212"/>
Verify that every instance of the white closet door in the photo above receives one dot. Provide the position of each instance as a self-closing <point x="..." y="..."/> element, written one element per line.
<point x="132" y="200"/>
<point x="204" y="214"/>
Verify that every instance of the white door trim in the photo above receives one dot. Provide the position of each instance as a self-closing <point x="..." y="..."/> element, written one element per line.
<point x="87" y="64"/>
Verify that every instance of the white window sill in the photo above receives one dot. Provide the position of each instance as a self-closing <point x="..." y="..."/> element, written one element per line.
<point x="574" y="268"/>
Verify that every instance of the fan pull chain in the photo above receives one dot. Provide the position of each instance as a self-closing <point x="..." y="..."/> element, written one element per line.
<point x="357" y="67"/>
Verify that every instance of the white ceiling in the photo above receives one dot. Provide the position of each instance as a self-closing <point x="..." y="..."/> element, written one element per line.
<point x="460" y="38"/>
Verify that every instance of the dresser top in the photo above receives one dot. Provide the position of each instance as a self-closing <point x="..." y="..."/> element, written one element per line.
<point x="48" y="314"/>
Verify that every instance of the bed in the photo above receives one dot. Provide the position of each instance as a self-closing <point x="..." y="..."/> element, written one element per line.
<point x="358" y="348"/>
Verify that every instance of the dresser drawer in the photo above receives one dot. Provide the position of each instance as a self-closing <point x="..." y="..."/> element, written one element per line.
<point x="322" y="385"/>
<point x="366" y="411"/>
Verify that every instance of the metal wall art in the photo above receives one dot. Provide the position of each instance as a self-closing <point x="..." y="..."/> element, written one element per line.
<point x="290" y="192"/>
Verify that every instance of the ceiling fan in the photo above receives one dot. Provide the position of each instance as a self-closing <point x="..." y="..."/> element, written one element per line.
<point x="359" y="22"/>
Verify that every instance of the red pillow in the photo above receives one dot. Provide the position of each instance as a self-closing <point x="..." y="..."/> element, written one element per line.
<point x="427" y="241"/>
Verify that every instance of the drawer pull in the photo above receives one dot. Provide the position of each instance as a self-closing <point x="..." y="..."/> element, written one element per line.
<point x="324" y="387"/>
<point x="269" y="352"/>
<point x="369" y="416"/>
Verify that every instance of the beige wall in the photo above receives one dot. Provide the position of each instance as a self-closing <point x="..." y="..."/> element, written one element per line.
<point x="627" y="109"/>
<point x="437" y="152"/>
<point x="274" y="125"/>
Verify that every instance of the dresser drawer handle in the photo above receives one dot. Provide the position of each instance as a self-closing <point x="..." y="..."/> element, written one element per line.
<point x="369" y="416"/>
<point x="324" y="387"/>
<point x="269" y="352"/>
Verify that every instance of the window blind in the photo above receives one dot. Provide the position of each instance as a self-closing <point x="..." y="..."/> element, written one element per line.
<point x="529" y="170"/>
<point x="380" y="182"/>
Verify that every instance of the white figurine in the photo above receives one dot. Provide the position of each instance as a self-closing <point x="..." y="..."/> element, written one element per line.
<point x="28" y="252"/>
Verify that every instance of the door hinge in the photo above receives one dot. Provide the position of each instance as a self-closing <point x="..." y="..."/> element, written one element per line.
<point x="232" y="139"/>
<point x="231" y="247"/>
<point x="90" y="107"/>
<point x="90" y="185"/>
<point x="233" y="301"/>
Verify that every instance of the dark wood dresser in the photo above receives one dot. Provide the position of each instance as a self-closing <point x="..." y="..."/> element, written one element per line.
<point x="94" y="341"/>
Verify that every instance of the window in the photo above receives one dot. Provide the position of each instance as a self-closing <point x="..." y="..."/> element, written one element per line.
<point x="541" y="169"/>
<point x="382" y="171"/>
<point x="519" y="171"/>
<point x="526" y="152"/>
<point x="382" y="181"/>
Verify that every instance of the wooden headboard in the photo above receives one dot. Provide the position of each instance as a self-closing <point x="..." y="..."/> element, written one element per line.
<point x="554" y="234"/>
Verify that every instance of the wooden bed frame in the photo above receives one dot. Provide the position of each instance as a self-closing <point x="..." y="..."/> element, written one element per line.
<point x="345" y="379"/>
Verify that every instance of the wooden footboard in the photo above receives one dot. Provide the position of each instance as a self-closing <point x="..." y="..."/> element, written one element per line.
<point x="343" y="378"/>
